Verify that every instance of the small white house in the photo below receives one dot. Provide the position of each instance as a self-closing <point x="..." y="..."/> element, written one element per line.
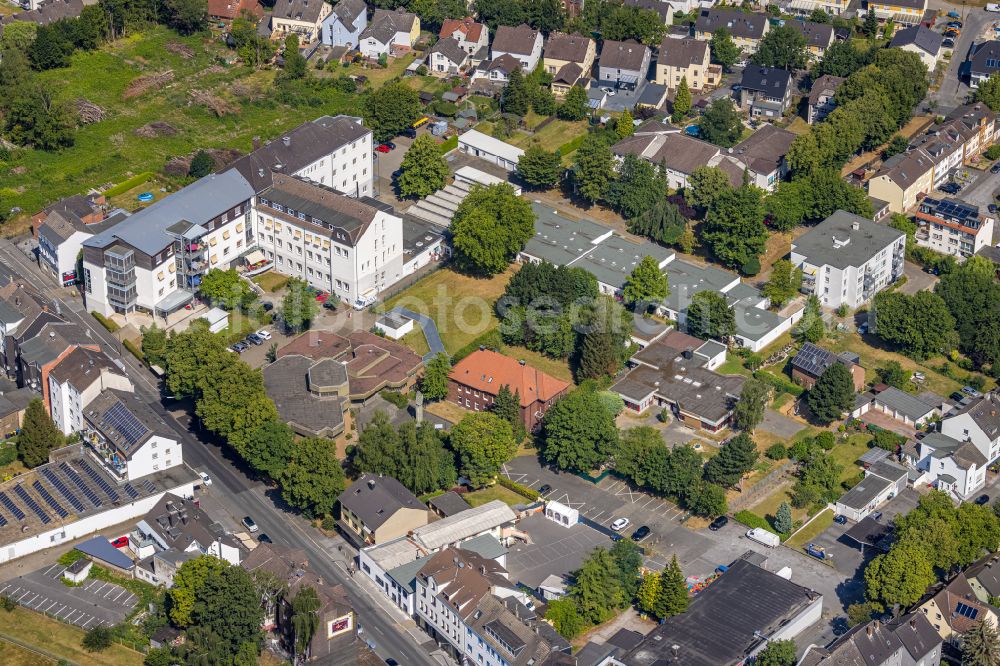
<point x="78" y="572"/>
<point x="883" y="481"/>
<point x="490" y="149"/>
<point x="394" y="325"/>
<point x="522" y="42"/>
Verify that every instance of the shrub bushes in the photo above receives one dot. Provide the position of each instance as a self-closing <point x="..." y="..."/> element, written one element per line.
<point x="524" y="491"/>
<point x="776" y="452"/>
<point x="396" y="398"/>
<point x="752" y="520"/>
<point x="105" y="322"/>
<point x="132" y="347"/>
<point x="126" y="185"/>
<point x="780" y="384"/>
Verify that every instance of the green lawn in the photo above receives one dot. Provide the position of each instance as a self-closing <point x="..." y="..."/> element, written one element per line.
<point x="416" y="340"/>
<point x="557" y="367"/>
<point x="814" y="529"/>
<point x="847" y="453"/>
<point x="552" y="136"/>
<point x="497" y="492"/>
<point x="15" y="655"/>
<point x="377" y="76"/>
<point x="109" y="151"/>
<point x="460" y="305"/>
<point x="54" y="637"/>
<point x="270" y="281"/>
<point x="733" y="366"/>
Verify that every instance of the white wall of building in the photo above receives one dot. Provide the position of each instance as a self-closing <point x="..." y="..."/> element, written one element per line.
<point x="963" y="427"/>
<point x="67" y="404"/>
<point x="157" y="454"/>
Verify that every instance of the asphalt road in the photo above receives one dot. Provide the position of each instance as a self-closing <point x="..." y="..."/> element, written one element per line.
<point x="953" y="92"/>
<point x="232" y="487"/>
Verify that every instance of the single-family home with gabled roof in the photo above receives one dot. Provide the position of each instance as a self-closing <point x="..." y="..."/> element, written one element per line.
<point x="920" y="40"/>
<point x="983" y="61"/>
<point x="686" y="59"/>
<point x="903" y="178"/>
<point x="376" y="509"/>
<point x="955" y="467"/>
<point x="761" y="156"/>
<point x="809" y="364"/>
<point x="303" y="17"/>
<point x="955" y="609"/>
<point x="344" y="25"/>
<point x="979" y="422"/>
<point x="676" y="152"/>
<point x="568" y="58"/>
<point x="821" y="97"/>
<point x="662" y="7"/>
<point x="818" y="36"/>
<point x="522" y="42"/>
<point x="497" y="70"/>
<point x="746" y="29"/>
<point x="765" y="91"/>
<point x="447" y="58"/>
<point x="472" y="37"/>
<point x="624" y="63"/>
<point x="389" y="32"/>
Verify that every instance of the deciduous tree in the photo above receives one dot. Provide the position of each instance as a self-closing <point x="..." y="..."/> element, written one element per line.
<point x="721" y="124"/>
<point x="734" y="227"/>
<point x="710" y="316"/>
<point x="597" y="590"/>
<point x="313" y="478"/>
<point x="391" y="109"/>
<point x="540" y="168"/>
<point x="724" y="50"/>
<point x="434" y="383"/>
<point x="490" y="227"/>
<point x="920" y="325"/>
<point x="565" y="616"/>
<point x="305" y="618"/>
<point x="186" y="16"/>
<point x="594" y="168"/>
<point x="646" y="285"/>
<point x="832" y="394"/>
<point x="578" y="434"/>
<point x="637" y="189"/>
<point x="705" y="185"/>
<point x="749" y="411"/>
<point x="424" y="169"/>
<point x="783" y="284"/>
<point x="576" y="104"/>
<point x="662" y="223"/>
<point x="783" y="47"/>
<point x="900" y="576"/>
<point x="780" y="652"/>
<point x="226" y="289"/>
<point x="295" y="62"/>
<point x="483" y="442"/>
<point x="298" y="307"/>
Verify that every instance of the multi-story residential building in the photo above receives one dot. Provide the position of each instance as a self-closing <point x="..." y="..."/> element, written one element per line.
<point x="666" y="146"/>
<point x="902" y="178"/>
<point x="40" y="353"/>
<point x="955" y="467"/>
<point x="76" y="380"/>
<point x="447" y="58"/>
<point x="955" y="609"/>
<point x="746" y="29"/>
<point x="376" y="509"/>
<point x="522" y="43"/>
<point x="686" y="59"/>
<point x="821" y="97"/>
<point x="846" y="259"/>
<point x="661" y="7"/>
<point x="806" y="7"/>
<point x="953" y="227"/>
<point x="60" y="241"/>
<point x="623" y="63"/>
<point x="766" y="92"/>
<point x="331" y="150"/>
<point x="476" y="380"/>
<point x="303" y="17"/>
<point x="350" y="247"/>
<point x="153" y="261"/>
<point x="472" y="37"/>
<point x="566" y="58"/>
<point x="920" y="40"/>
<point x="390" y="33"/>
<point x="344" y="25"/>
<point x="906" y="12"/>
<point x="818" y="36"/>
<point x="127" y="436"/>
<point x="978" y="422"/>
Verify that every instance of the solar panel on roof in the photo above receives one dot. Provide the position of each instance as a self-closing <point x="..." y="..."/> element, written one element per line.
<point x="44" y="494"/>
<point x="57" y="483"/>
<point x="966" y="611"/>
<point x="3" y="521"/>
<point x="132" y="492"/>
<point x="125" y="422"/>
<point x="87" y="491"/>
<point x="101" y="482"/>
<point x="32" y="504"/>
<point x="10" y="506"/>
<point x="148" y="485"/>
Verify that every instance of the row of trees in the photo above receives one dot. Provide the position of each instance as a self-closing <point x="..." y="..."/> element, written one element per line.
<point x="231" y="403"/>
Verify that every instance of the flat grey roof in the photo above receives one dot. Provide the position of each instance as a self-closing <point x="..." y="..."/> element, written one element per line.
<point x="615" y="258"/>
<point x="835" y="242"/>
<point x="560" y="240"/>
<point x="904" y="403"/>
<point x="864" y="492"/>
<point x="198" y="203"/>
<point x="687" y="279"/>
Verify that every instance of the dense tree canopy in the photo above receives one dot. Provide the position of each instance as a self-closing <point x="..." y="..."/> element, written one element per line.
<point x="783" y="284"/>
<point x="424" y="169"/>
<point x="832" y="394"/>
<point x="783" y="47"/>
<point x="920" y="325"/>
<point x="710" y="316"/>
<point x="972" y="295"/>
<point x="415" y="455"/>
<point x="391" y="109"/>
<point x="593" y="171"/>
<point x="724" y="50"/>
<point x="483" y="441"/>
<point x="578" y="432"/>
<point x="313" y="477"/>
<point x="646" y="285"/>
<point x="734" y="227"/>
<point x="540" y="168"/>
<point x="720" y="124"/>
<point x="490" y="227"/>
<point x="637" y="189"/>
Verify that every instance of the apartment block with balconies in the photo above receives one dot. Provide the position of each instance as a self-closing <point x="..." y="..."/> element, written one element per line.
<point x="953" y="227"/>
<point x="847" y="259"/>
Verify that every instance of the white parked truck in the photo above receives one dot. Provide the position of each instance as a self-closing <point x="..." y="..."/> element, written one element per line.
<point x="760" y="535"/>
<point x="993" y="7"/>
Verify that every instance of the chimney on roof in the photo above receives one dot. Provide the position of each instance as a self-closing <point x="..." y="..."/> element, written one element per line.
<point x="870" y="630"/>
<point x="855" y="225"/>
<point x="260" y="173"/>
<point x="913" y="623"/>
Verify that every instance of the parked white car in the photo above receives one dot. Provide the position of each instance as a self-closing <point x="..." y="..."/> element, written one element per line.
<point x="206" y="480"/>
<point x="264" y="334"/>
<point x="619" y="524"/>
<point x="993" y="7"/>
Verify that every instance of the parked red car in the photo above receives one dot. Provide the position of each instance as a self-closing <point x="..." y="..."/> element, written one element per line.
<point x="120" y="542"/>
<point x="382" y="148"/>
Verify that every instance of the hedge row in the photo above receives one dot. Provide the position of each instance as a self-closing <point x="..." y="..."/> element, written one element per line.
<point x="752" y="520"/>
<point x="105" y="322"/>
<point x="780" y="384"/>
<point x="524" y="491"/>
<point x="134" y="348"/>
<point x="490" y="340"/>
<point x="126" y="185"/>
<point x="570" y="146"/>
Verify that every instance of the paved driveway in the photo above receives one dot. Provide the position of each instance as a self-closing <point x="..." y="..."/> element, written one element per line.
<point x="779" y="424"/>
<point x="953" y="92"/>
<point x="917" y="279"/>
<point x="555" y="550"/>
<point x="430" y="331"/>
<point x="93" y="603"/>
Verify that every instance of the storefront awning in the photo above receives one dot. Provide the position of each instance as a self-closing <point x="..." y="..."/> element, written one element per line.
<point x="174" y="301"/>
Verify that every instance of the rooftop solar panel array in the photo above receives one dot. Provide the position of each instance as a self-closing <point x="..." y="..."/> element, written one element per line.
<point x="10" y="506"/>
<point x="101" y="482"/>
<point x="966" y="610"/>
<point x="67" y="494"/>
<point x="125" y="423"/>
<point x="148" y="485"/>
<point x="49" y="499"/>
<point x="30" y="502"/>
<point x="87" y="491"/>
<point x="130" y="491"/>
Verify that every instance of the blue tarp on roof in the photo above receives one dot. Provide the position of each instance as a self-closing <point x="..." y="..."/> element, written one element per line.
<point x="100" y="548"/>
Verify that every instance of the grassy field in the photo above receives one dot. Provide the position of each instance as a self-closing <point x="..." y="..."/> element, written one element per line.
<point x="847" y="453"/>
<point x="874" y="357"/>
<point x="557" y="367"/>
<point x="15" y="655"/>
<point x="270" y="281"/>
<point x="497" y="492"/>
<point x="461" y="306"/>
<point x="814" y="529"/>
<point x="416" y="340"/>
<point x="54" y="637"/>
<point x="446" y="410"/>
<point x="109" y="151"/>
<point x="377" y="76"/>
<point x="553" y="135"/>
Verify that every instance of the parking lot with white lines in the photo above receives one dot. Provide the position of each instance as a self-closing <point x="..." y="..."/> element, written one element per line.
<point x="93" y="603"/>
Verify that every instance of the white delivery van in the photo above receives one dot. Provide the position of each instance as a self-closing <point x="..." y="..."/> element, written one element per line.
<point x="365" y="300"/>
<point x="993" y="7"/>
<point x="760" y="535"/>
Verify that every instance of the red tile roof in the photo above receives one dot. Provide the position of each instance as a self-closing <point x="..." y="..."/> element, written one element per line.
<point x="488" y="370"/>
<point x="230" y="9"/>
<point x="466" y="26"/>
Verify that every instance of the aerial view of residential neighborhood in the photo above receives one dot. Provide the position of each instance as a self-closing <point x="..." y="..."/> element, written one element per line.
<point x="499" y="332"/>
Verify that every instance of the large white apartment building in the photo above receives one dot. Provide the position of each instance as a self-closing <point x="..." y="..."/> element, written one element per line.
<point x="953" y="227"/>
<point x="977" y="422"/>
<point x="846" y="259"/>
<point x="76" y="380"/>
<point x="350" y="247"/>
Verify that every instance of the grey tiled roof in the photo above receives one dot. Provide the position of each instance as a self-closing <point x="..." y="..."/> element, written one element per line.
<point x="375" y="499"/>
<point x="919" y="36"/>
